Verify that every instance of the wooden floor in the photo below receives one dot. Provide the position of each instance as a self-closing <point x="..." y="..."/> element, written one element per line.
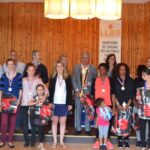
<point x="19" y="146"/>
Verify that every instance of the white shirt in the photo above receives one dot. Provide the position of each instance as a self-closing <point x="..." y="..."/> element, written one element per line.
<point x="26" y="97"/>
<point x="60" y="92"/>
<point x="20" y="67"/>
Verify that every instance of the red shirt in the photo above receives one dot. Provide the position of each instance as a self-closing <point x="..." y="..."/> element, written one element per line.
<point x="101" y="120"/>
<point x="102" y="90"/>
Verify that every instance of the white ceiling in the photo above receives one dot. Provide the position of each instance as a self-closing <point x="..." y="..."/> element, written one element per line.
<point x="126" y="1"/>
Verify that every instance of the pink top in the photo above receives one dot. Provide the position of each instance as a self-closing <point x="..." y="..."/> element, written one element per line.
<point x="30" y="91"/>
<point x="102" y="90"/>
<point x="102" y="117"/>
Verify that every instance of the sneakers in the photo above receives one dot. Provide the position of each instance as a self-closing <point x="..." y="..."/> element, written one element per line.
<point x="120" y="144"/>
<point x="127" y="144"/>
<point x="103" y="147"/>
<point x="109" y="145"/>
<point x="96" y="145"/>
<point x="41" y="146"/>
<point x="138" y="144"/>
<point x="26" y="145"/>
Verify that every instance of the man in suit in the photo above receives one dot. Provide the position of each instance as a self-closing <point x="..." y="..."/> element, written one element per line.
<point x="20" y="66"/>
<point x="82" y="79"/>
<point x="41" y="69"/>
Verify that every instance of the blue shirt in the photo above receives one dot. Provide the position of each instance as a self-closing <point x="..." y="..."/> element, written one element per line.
<point x="16" y="84"/>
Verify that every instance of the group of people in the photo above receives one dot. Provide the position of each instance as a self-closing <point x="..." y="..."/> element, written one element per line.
<point x="110" y="86"/>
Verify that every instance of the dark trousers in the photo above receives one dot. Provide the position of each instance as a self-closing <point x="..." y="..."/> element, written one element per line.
<point x="123" y="139"/>
<point x="24" y="115"/>
<point x="18" y="120"/>
<point x="41" y="132"/>
<point x="143" y="132"/>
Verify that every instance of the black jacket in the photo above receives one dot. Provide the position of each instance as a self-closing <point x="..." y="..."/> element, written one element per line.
<point x="123" y="96"/>
<point x="52" y="84"/>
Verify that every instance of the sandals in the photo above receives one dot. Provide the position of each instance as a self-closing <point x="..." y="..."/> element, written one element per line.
<point x="63" y="146"/>
<point x="2" y="144"/>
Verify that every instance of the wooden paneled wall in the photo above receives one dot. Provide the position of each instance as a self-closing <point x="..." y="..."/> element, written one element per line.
<point x="135" y="34"/>
<point x="24" y="28"/>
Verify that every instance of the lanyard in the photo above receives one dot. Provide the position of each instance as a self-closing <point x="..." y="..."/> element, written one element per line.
<point x="60" y="81"/>
<point x="30" y="83"/>
<point x="121" y="82"/>
<point x="11" y="79"/>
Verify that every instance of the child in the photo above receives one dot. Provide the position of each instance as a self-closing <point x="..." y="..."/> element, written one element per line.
<point x="36" y="106"/>
<point x="102" y="122"/>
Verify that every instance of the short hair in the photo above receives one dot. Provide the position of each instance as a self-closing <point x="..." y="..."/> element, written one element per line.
<point x="147" y="71"/>
<point x="10" y="60"/>
<point x="103" y="65"/>
<point x="99" y="101"/>
<point x="34" y="52"/>
<point x="29" y="65"/>
<point x="85" y="53"/>
<point x="13" y="51"/>
<point x="61" y="56"/>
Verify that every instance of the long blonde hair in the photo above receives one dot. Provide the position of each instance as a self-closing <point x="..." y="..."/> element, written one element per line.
<point x="65" y="72"/>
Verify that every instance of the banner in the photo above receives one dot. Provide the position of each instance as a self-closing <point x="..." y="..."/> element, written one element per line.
<point x="110" y="40"/>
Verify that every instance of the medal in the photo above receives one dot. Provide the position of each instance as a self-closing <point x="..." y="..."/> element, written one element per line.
<point x="122" y="84"/>
<point x="122" y="88"/>
<point x="9" y="89"/>
<point x="60" y="80"/>
<point x="30" y="83"/>
<point x="103" y="85"/>
<point x="103" y="90"/>
<point x="10" y="79"/>
<point x="30" y="93"/>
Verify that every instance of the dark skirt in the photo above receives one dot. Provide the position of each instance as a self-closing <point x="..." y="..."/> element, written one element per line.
<point x="60" y="110"/>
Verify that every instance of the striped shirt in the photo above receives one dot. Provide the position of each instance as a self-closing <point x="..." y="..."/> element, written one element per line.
<point x="16" y="84"/>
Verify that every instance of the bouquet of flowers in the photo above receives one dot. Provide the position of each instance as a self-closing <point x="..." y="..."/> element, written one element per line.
<point x="9" y="103"/>
<point x="143" y="97"/>
<point x="41" y="111"/>
<point x="135" y="123"/>
<point x="122" y="123"/>
<point x="88" y="105"/>
<point x="45" y="111"/>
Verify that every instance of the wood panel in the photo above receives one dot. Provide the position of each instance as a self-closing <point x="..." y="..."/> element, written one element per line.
<point x="24" y="28"/>
<point x="135" y="34"/>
